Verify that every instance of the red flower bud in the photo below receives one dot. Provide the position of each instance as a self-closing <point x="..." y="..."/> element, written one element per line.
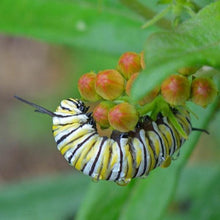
<point x="86" y="86"/>
<point x="129" y="63"/>
<point x="123" y="117"/>
<point x="187" y="71"/>
<point x="100" y="113"/>
<point x="203" y="91"/>
<point x="176" y="89"/>
<point x="109" y="84"/>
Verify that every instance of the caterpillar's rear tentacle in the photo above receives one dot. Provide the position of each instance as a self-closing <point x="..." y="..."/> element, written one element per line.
<point x="122" y="156"/>
<point x="200" y="129"/>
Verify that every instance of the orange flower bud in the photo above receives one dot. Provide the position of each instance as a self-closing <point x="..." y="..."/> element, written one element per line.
<point x="143" y="64"/>
<point x="109" y="84"/>
<point x="130" y="83"/>
<point x="86" y="86"/>
<point x="129" y="63"/>
<point x="100" y="113"/>
<point x="203" y="91"/>
<point x="123" y="117"/>
<point x="176" y="89"/>
<point x="187" y="71"/>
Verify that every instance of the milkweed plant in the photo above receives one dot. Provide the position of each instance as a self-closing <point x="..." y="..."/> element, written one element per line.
<point x="167" y="68"/>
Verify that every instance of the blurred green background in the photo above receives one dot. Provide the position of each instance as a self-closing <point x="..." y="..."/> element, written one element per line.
<point x="35" y="180"/>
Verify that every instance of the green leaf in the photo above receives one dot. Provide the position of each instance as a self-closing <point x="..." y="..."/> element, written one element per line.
<point x="164" y="1"/>
<point x="143" y="198"/>
<point x="191" y="199"/>
<point x="76" y="23"/>
<point x="196" y="41"/>
<point x="52" y="198"/>
<point x="203" y="210"/>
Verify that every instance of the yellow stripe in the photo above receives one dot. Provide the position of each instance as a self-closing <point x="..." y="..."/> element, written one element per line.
<point x="155" y="140"/>
<point x="153" y="161"/>
<point x="115" y="156"/>
<point x="105" y="162"/>
<point x="86" y="148"/>
<point x="63" y="128"/>
<point x="130" y="164"/>
<point x="164" y="134"/>
<point x="138" y="152"/>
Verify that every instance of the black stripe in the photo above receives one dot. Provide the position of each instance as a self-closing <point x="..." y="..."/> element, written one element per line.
<point x="153" y="149"/>
<point x="62" y="125"/>
<point x="145" y="156"/>
<point x="66" y="116"/>
<point x="121" y="160"/>
<point x="161" y="143"/>
<point x="90" y="147"/>
<point x="97" y="156"/>
<point x="188" y="120"/>
<point x="75" y="103"/>
<point x="65" y="108"/>
<point x="135" y="163"/>
<point x="132" y="156"/>
<point x="165" y="138"/>
<point x="110" y="157"/>
<point x="172" y="134"/>
<point x="82" y="170"/>
<point x="66" y="135"/>
<point x="109" y="175"/>
<point x="78" y="146"/>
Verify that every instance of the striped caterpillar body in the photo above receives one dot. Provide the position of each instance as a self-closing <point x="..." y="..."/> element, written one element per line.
<point x="121" y="157"/>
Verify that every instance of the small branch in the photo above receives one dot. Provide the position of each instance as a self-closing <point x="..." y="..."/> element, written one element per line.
<point x="157" y="17"/>
<point x="146" y="13"/>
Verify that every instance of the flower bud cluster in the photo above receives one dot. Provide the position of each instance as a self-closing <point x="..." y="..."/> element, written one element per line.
<point x="177" y="89"/>
<point x="107" y="86"/>
<point x="112" y="86"/>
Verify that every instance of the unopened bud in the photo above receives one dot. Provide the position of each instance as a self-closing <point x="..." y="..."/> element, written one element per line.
<point x="187" y="71"/>
<point x="86" y="86"/>
<point x="100" y="113"/>
<point x="123" y="117"/>
<point x="109" y="84"/>
<point x="130" y="83"/>
<point x="129" y="63"/>
<point x="176" y="89"/>
<point x="203" y="91"/>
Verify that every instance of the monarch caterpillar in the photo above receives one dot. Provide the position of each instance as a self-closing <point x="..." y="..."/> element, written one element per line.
<point x="121" y="157"/>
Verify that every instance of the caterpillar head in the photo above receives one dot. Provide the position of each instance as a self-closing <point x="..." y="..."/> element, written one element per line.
<point x="72" y="105"/>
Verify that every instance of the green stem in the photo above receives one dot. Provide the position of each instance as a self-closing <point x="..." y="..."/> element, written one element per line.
<point x="143" y="110"/>
<point x="122" y="99"/>
<point x="176" y="124"/>
<point x="157" y="17"/>
<point x="189" y="10"/>
<point x="146" y="13"/>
